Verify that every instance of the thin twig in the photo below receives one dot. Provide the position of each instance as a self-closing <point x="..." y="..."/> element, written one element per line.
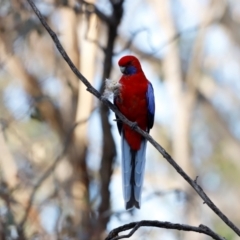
<point x="134" y="226"/>
<point x="92" y="90"/>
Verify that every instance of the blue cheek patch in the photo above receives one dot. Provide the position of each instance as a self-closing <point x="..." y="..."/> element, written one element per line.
<point x="130" y="70"/>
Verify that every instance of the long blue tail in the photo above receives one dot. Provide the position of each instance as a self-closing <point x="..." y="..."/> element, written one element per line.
<point x="133" y="165"/>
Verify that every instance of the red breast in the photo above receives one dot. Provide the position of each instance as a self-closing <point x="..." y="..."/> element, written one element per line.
<point x="132" y="103"/>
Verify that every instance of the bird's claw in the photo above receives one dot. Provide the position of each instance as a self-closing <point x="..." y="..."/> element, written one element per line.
<point x="103" y="98"/>
<point x="133" y="125"/>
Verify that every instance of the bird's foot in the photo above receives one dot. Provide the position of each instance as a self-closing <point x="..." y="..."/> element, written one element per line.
<point x="103" y="98"/>
<point x="133" y="125"/>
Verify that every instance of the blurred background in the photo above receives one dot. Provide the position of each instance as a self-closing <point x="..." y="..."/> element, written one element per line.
<point x="60" y="169"/>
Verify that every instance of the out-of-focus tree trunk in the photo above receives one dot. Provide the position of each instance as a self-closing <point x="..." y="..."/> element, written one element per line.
<point x="173" y="75"/>
<point x="8" y="166"/>
<point x="83" y="111"/>
<point x="14" y="65"/>
<point x="183" y="93"/>
<point x="108" y="148"/>
<point x="87" y="68"/>
<point x="82" y="54"/>
<point x="65" y="22"/>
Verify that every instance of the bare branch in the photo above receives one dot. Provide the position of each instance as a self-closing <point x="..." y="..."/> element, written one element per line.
<point x="134" y="226"/>
<point x="92" y="90"/>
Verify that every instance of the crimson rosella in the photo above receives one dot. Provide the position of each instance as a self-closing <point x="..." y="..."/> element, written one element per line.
<point x="135" y="100"/>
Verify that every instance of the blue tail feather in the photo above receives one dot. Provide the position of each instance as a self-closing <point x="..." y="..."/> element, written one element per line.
<point x="133" y="165"/>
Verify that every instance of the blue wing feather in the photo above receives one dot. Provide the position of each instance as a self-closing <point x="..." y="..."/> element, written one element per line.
<point x="150" y="105"/>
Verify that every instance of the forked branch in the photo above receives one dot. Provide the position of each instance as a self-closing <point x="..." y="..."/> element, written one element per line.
<point x="134" y="226"/>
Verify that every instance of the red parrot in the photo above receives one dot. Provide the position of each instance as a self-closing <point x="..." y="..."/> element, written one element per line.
<point x="135" y="100"/>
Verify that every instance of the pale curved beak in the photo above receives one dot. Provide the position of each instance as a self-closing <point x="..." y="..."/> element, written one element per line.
<point x="122" y="69"/>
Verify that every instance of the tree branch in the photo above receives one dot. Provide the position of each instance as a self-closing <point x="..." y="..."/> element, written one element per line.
<point x="134" y="226"/>
<point x="92" y="90"/>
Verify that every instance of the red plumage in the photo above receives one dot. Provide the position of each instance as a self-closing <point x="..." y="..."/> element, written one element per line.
<point x="132" y="102"/>
<point x="135" y="99"/>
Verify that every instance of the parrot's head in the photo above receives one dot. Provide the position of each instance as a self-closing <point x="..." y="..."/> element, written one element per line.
<point x="129" y="65"/>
